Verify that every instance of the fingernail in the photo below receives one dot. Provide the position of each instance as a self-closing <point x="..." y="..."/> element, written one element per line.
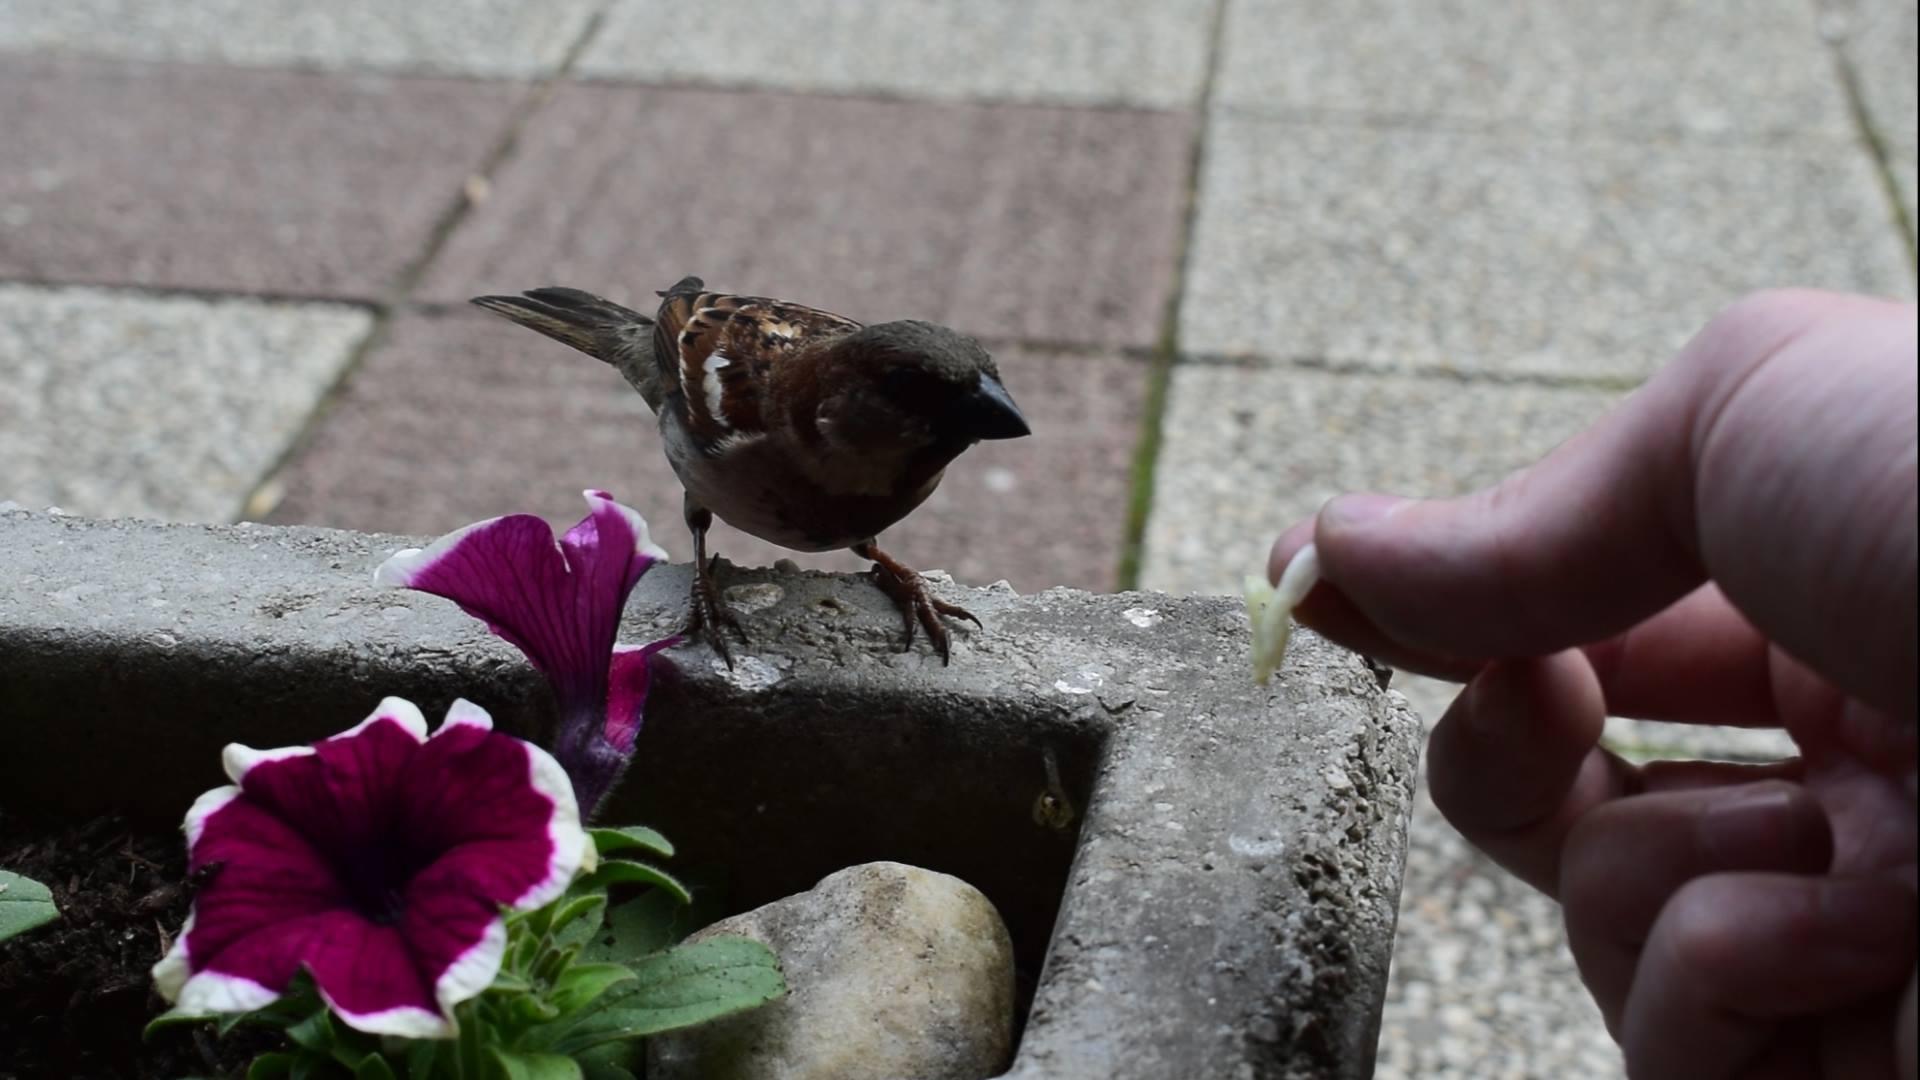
<point x="1490" y="701"/>
<point x="1358" y="510"/>
<point x="1750" y="827"/>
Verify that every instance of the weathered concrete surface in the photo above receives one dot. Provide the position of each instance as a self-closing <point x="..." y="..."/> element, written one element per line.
<point x="1230" y="855"/>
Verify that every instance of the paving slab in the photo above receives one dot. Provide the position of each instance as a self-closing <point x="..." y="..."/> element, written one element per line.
<point x="275" y="182"/>
<point x="118" y="405"/>
<point x="1135" y="52"/>
<point x="1249" y="451"/>
<point x="1011" y="222"/>
<point x="1906" y="180"/>
<point x="1878" y="40"/>
<point x="1496" y="254"/>
<point x="1721" y="68"/>
<point x="1483" y="986"/>
<point x="1882" y="45"/>
<point x="472" y="37"/>
<point x="459" y="417"/>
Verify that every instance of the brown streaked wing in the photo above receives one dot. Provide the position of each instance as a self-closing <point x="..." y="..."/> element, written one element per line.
<point x="726" y="349"/>
<point x="674" y="311"/>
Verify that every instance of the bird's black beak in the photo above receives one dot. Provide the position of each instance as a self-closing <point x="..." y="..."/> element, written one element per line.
<point x="989" y="412"/>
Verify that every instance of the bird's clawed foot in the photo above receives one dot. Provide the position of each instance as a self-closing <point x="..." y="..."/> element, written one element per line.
<point x="706" y="612"/>
<point x="916" y="602"/>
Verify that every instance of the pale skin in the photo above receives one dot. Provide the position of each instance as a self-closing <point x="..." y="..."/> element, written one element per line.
<point x="1736" y="543"/>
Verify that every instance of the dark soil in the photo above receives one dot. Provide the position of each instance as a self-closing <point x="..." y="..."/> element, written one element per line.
<point x="75" y="994"/>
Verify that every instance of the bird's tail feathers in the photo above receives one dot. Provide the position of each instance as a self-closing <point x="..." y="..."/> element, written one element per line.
<point x="580" y="319"/>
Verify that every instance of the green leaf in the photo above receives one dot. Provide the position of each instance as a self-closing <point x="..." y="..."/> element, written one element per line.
<point x="617" y="871"/>
<point x="553" y="962"/>
<point x="581" y="983"/>
<point x="270" y="1066"/>
<point x="538" y="919"/>
<point x="423" y="1055"/>
<point x="373" y="1067"/>
<point x="628" y="837"/>
<point x="173" y="1018"/>
<point x="523" y="945"/>
<point x="645" y="924"/>
<point x="521" y="1066"/>
<point x="225" y="1024"/>
<point x="24" y="904"/>
<point x="527" y="1011"/>
<point x="579" y="918"/>
<point x="610" y="1061"/>
<point x="306" y="1066"/>
<point x="504" y="983"/>
<point x="315" y="1033"/>
<point x="300" y="1002"/>
<point x="683" y="986"/>
<point x="351" y="1046"/>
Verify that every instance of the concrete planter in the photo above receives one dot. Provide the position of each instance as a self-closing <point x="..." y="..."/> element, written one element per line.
<point x="1204" y="874"/>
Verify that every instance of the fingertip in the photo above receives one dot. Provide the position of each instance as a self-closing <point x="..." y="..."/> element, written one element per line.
<point x="1343" y="519"/>
<point x="1287" y="546"/>
<point x="1344" y="516"/>
<point x="1512" y="747"/>
<point x="1555" y="701"/>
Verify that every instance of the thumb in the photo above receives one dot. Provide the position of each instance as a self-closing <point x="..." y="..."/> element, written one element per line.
<point x="1776" y="456"/>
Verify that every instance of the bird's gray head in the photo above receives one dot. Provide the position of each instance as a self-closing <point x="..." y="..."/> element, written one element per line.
<point x="932" y="376"/>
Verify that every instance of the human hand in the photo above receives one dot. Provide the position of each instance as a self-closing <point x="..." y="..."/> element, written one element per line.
<point x="1735" y="544"/>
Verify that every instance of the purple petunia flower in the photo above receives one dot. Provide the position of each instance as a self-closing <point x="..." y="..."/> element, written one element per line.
<point x="560" y="604"/>
<point x="380" y="860"/>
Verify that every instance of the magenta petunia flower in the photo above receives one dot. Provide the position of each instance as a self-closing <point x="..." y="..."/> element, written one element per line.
<point x="380" y="860"/>
<point x="560" y="603"/>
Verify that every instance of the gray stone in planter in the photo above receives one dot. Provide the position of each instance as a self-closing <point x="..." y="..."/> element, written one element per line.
<point x="1199" y="875"/>
<point x="893" y="973"/>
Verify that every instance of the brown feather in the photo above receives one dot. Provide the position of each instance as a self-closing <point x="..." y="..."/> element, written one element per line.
<point x="733" y="343"/>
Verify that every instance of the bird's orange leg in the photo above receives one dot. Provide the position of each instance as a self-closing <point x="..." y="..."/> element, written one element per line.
<point x="911" y="596"/>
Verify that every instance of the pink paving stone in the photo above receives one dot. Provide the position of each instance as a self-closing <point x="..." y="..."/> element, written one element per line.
<point x="461" y="416"/>
<point x="1011" y="222"/>
<point x="184" y="176"/>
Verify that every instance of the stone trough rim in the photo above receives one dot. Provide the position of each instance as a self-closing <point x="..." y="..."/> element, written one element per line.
<point x="1228" y="910"/>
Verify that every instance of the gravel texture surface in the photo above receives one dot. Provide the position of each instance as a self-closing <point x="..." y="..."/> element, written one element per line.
<point x="1250" y="451"/>
<point x="1705" y="68"/>
<point x="118" y="404"/>
<point x="1499" y="255"/>
<point x="1137" y="52"/>
<point x="466" y="37"/>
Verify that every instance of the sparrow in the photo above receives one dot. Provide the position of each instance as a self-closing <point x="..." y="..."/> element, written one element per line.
<point x="796" y="425"/>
